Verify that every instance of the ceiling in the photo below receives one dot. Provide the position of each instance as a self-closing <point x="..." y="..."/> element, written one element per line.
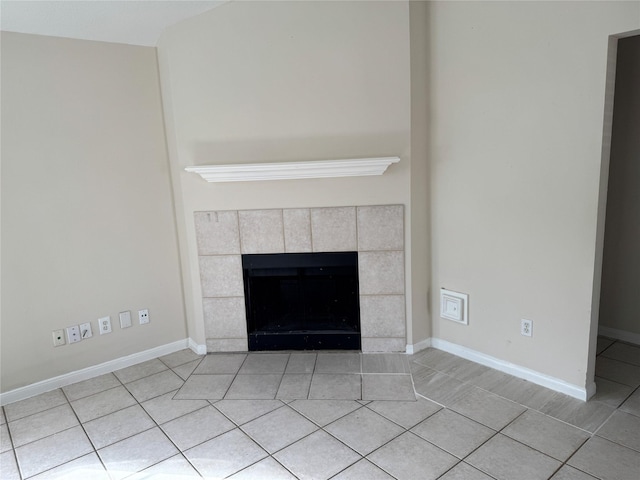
<point x="135" y="22"/>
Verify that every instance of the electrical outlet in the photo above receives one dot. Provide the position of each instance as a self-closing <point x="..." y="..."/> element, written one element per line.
<point x="58" y="338"/>
<point x="526" y="327"/>
<point x="73" y="334"/>
<point x="85" y="330"/>
<point x="143" y="316"/>
<point x="125" y="319"/>
<point x="104" y="325"/>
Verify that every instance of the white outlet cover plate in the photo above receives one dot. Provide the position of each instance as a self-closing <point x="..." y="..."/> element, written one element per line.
<point x="125" y="319"/>
<point x="104" y="325"/>
<point x="454" y="306"/>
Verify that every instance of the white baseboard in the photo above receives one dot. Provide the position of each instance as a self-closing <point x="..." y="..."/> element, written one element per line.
<point x="417" y="347"/>
<point x="90" y="372"/>
<point x="581" y="393"/>
<point x="196" y="348"/>
<point x="616" y="334"/>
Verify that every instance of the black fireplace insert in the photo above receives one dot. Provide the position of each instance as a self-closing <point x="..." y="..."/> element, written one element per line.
<point x="302" y="301"/>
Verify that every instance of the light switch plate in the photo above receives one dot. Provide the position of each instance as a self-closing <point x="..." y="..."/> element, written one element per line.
<point x="125" y="319"/>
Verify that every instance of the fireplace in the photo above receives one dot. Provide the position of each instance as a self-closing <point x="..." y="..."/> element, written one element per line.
<point x="375" y="233"/>
<point x="302" y="301"/>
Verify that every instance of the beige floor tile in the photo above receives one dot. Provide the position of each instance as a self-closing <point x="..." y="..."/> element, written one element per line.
<point x="546" y="434"/>
<point x="103" y="403"/>
<point x="197" y="427"/>
<point x="387" y="387"/>
<point x="83" y="468"/>
<point x="491" y="410"/>
<point x="364" y="430"/>
<point x="204" y="387"/>
<point x="180" y="358"/>
<point x="155" y="385"/>
<point x="259" y="363"/>
<point x="91" y="386"/>
<point x="141" y="370"/>
<point x="407" y="414"/>
<point x="362" y="470"/>
<point x="173" y="468"/>
<point x="294" y="386"/>
<point x="43" y="424"/>
<point x="221" y="364"/>
<point x="624" y="352"/>
<point x="611" y="393"/>
<point x="385" y="363"/>
<point x="267" y="469"/>
<point x="338" y="363"/>
<point x="506" y="459"/>
<point x="453" y="433"/>
<point x="606" y="460"/>
<point x="164" y="408"/>
<point x="586" y="415"/>
<point x="37" y="404"/>
<point x="8" y="466"/>
<point x="136" y="453"/>
<point x="569" y="473"/>
<point x="463" y="471"/>
<point x="618" y="371"/>
<point x="333" y="386"/>
<point x="254" y="387"/>
<point x="243" y="411"/>
<point x="225" y="455"/>
<point x="438" y="387"/>
<point x="5" y="439"/>
<point x="428" y="462"/>
<point x="323" y="412"/>
<point x="622" y="428"/>
<point x="329" y="457"/>
<point x="301" y="363"/>
<point x="632" y="404"/>
<point x="278" y="429"/>
<point x="52" y="451"/>
<point x="184" y="371"/>
<point x="523" y="392"/>
<point x="117" y="426"/>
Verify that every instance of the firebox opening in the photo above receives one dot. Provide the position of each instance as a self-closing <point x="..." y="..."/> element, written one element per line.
<point x="302" y="301"/>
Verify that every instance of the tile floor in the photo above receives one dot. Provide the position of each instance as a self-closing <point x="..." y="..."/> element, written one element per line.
<point x="312" y="416"/>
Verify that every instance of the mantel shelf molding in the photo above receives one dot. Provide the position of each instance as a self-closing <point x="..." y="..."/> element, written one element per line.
<point x="356" y="167"/>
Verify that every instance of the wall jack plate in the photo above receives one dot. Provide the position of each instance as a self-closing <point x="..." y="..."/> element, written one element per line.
<point x="143" y="316"/>
<point x="58" y="338"/>
<point x="73" y="334"/>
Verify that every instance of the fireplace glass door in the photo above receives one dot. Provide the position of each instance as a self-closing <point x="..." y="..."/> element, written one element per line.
<point x="302" y="301"/>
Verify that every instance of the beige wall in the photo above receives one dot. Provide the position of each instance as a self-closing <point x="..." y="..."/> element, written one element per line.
<point x="285" y="81"/>
<point x="87" y="221"/>
<point x="621" y="264"/>
<point x="516" y="95"/>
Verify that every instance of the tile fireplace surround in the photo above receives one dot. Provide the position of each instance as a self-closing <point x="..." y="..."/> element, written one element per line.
<point x="375" y="232"/>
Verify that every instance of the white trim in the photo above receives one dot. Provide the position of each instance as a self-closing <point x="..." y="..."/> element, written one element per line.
<point x="90" y="372"/>
<point x="197" y="348"/>
<point x="356" y="167"/>
<point x="417" y="347"/>
<point x="619" y="334"/>
<point x="538" y="378"/>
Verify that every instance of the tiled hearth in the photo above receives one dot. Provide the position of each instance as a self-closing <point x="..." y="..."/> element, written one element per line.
<point x="375" y="232"/>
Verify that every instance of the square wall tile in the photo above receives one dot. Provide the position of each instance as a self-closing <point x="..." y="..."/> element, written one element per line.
<point x="221" y="276"/>
<point x="381" y="228"/>
<point x="227" y="345"/>
<point x="224" y="317"/>
<point x="261" y="231"/>
<point x="297" y="230"/>
<point x="382" y="316"/>
<point x="334" y="229"/>
<point x="381" y="273"/>
<point x="217" y="233"/>
<point x="383" y="345"/>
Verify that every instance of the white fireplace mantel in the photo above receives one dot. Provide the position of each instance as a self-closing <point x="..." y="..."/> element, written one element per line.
<point x="243" y="172"/>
